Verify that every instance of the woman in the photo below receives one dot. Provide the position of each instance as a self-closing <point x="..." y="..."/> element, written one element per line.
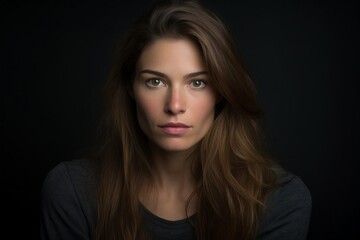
<point x="182" y="156"/>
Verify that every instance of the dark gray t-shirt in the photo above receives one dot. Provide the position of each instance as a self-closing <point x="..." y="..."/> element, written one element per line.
<point x="68" y="208"/>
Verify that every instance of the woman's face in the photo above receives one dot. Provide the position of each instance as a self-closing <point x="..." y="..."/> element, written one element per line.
<point x="174" y="98"/>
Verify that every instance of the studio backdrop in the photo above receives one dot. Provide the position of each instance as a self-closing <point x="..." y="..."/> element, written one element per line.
<point x="302" y="55"/>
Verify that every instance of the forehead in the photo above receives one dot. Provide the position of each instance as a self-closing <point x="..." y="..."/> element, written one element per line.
<point x="170" y="53"/>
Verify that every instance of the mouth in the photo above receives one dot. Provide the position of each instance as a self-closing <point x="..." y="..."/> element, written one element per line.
<point x="175" y="128"/>
<point x="175" y="125"/>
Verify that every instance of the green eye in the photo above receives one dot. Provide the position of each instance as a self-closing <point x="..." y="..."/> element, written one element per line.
<point x="154" y="82"/>
<point x="198" y="84"/>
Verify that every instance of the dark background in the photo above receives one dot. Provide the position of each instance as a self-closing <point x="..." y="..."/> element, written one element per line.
<point x="303" y="56"/>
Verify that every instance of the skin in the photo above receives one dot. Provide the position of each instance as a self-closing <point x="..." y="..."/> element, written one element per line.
<point x="172" y="86"/>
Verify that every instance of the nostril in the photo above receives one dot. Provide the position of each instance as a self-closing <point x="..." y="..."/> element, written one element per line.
<point x="175" y="103"/>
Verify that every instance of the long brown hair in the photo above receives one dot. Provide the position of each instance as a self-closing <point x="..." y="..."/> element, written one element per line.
<point x="233" y="174"/>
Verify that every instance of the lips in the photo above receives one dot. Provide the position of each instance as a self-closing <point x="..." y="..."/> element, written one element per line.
<point x="175" y="128"/>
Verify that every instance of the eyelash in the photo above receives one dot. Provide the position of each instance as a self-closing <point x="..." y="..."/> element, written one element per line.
<point x="149" y="83"/>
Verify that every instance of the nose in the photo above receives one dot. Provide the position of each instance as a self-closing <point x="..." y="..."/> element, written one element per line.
<point x="175" y="102"/>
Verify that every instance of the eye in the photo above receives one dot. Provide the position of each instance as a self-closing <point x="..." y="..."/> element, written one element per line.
<point x="154" y="82"/>
<point x="198" y="84"/>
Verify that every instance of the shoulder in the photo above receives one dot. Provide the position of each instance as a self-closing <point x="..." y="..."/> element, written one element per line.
<point x="290" y="189"/>
<point x="288" y="210"/>
<point x="83" y="166"/>
<point x="68" y="179"/>
<point x="68" y="199"/>
<point x="76" y="175"/>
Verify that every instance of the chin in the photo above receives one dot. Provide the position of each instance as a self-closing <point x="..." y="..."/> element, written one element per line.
<point x="175" y="148"/>
<point x="170" y="146"/>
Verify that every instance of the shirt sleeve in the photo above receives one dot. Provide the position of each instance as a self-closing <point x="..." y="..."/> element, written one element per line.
<point x="288" y="214"/>
<point x="62" y="216"/>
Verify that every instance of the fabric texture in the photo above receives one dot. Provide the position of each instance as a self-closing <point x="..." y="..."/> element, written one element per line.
<point x="68" y="208"/>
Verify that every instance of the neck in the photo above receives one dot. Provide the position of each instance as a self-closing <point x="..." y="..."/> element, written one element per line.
<point x="171" y="169"/>
<point x="173" y="183"/>
<point x="171" y="173"/>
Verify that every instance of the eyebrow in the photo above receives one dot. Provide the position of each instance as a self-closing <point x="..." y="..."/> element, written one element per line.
<point x="160" y="74"/>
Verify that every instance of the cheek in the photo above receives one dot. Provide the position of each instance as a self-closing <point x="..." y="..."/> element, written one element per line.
<point x="147" y="109"/>
<point x="206" y="108"/>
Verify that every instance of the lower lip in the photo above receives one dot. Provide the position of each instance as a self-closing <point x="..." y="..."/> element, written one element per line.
<point x="175" y="130"/>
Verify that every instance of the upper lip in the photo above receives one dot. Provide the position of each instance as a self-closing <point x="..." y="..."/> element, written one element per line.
<point x="179" y="125"/>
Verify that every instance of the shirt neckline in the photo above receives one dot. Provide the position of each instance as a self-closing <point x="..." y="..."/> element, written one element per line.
<point x="159" y="220"/>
